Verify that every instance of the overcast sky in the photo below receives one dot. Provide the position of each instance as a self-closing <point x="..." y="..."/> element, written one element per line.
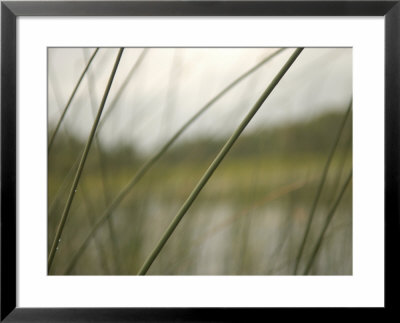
<point x="170" y="85"/>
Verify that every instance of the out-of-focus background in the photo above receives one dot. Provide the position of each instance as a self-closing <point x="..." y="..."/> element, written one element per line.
<point x="251" y="216"/>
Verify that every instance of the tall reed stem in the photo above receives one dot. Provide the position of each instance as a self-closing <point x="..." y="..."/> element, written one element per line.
<point x="61" y="225"/>
<point x="70" y="100"/>
<point x="320" y="187"/>
<point x="214" y="165"/>
<point x="142" y="171"/>
<point x="85" y="197"/>
<point x="102" y="158"/>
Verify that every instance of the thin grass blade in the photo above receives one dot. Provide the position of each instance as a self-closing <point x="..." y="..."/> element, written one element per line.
<point x="320" y="187"/>
<point x="214" y="165"/>
<point x="85" y="197"/>
<point x="82" y="164"/>
<point x="326" y="224"/>
<point x="102" y="159"/>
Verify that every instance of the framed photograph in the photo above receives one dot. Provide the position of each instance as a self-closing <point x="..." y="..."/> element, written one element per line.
<point x="198" y="160"/>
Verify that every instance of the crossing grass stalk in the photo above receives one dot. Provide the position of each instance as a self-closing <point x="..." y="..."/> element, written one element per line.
<point x="64" y="217"/>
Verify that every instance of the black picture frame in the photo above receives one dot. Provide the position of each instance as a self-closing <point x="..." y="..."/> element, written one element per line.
<point x="10" y="11"/>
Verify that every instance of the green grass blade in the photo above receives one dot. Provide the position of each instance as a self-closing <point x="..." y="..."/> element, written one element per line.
<point x="82" y="164"/>
<point x="326" y="224"/>
<point x="102" y="164"/>
<point x="70" y="100"/>
<point x="320" y="187"/>
<point x="142" y="171"/>
<point x="85" y="197"/>
<point x="214" y="165"/>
